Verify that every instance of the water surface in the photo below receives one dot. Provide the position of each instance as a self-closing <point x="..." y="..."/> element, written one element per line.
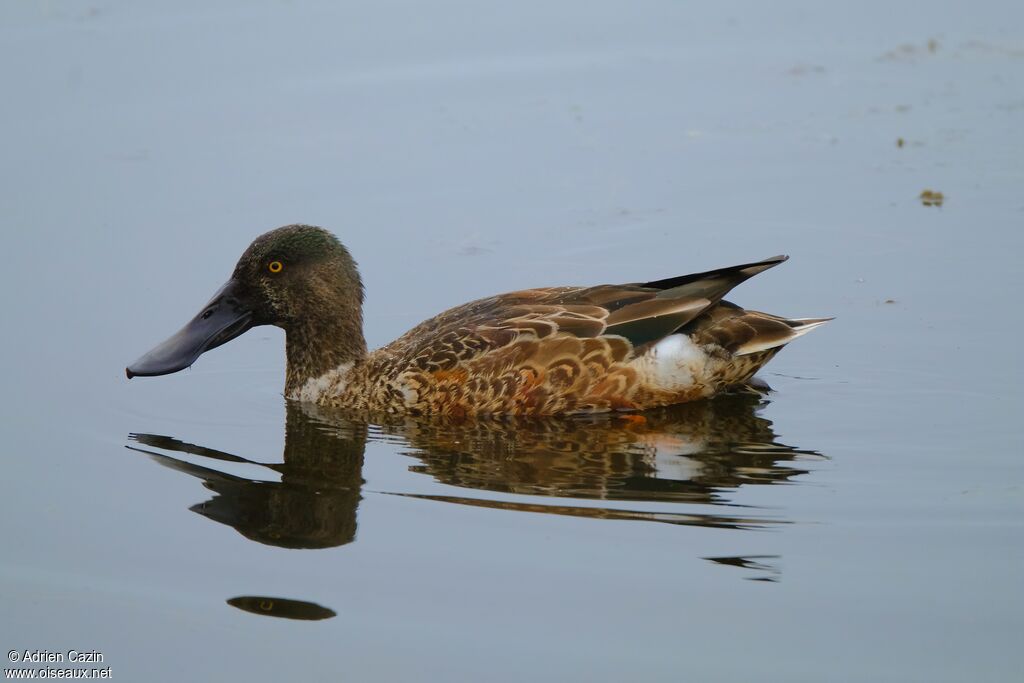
<point x="861" y="522"/>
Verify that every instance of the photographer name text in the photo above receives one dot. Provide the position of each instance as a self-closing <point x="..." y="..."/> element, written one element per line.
<point x="59" y="656"/>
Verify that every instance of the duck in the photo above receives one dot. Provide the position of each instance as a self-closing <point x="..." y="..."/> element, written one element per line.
<point x="543" y="351"/>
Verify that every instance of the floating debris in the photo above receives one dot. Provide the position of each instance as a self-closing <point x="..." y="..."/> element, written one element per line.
<point x="806" y="70"/>
<point x="900" y="142"/>
<point x="932" y="198"/>
<point x="909" y="52"/>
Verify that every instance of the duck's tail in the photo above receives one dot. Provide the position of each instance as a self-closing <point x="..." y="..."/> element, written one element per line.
<point x="774" y="332"/>
<point x="756" y="338"/>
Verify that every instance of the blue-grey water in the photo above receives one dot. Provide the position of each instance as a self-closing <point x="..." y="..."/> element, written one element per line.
<point x="862" y="523"/>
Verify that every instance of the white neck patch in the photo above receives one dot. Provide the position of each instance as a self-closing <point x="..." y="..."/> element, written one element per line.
<point x="331" y="383"/>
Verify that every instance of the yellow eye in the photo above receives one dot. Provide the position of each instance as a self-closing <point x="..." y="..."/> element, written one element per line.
<point x="275" y="267"/>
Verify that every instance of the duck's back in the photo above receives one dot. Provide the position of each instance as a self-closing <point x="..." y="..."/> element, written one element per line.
<point x="570" y="350"/>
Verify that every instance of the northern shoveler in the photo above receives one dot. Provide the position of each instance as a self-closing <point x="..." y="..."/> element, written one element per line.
<point x="546" y="351"/>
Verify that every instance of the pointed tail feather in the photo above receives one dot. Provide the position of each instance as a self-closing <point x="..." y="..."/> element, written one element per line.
<point x="779" y="335"/>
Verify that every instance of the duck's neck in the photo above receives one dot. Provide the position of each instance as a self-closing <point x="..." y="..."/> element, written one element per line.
<point x="316" y="346"/>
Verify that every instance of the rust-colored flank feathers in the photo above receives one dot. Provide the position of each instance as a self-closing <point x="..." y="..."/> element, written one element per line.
<point x="556" y="350"/>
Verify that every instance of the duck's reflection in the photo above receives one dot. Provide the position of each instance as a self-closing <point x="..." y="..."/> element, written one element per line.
<point x="314" y="503"/>
<point x="282" y="608"/>
<point x="765" y="564"/>
<point x="677" y="465"/>
<point x="691" y="453"/>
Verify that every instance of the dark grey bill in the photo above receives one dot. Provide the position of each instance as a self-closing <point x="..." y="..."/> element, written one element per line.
<point x="224" y="318"/>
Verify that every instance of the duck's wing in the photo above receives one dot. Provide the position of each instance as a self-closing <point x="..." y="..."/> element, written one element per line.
<point x="644" y="314"/>
<point x="640" y="313"/>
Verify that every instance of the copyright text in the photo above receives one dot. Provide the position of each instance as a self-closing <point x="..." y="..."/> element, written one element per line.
<point x="27" y="658"/>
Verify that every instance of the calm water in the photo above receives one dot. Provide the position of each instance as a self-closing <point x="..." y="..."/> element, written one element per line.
<point x="862" y="523"/>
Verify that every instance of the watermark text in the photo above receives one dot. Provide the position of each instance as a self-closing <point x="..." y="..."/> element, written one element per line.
<point x="30" y="661"/>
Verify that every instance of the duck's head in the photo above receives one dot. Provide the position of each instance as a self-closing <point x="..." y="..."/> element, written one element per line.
<point x="299" y="278"/>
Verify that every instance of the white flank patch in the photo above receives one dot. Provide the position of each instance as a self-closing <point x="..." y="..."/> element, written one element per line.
<point x="332" y="381"/>
<point x="677" y="363"/>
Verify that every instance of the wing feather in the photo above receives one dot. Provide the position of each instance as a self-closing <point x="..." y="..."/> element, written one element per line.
<point x="641" y="314"/>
